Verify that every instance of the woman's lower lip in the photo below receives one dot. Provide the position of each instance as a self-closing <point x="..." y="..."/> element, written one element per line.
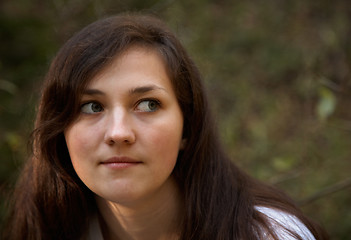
<point x="120" y="165"/>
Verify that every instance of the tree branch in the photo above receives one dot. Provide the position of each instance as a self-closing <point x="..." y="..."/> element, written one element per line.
<point x="326" y="191"/>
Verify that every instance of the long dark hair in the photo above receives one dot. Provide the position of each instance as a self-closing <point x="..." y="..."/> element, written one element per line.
<point x="50" y="201"/>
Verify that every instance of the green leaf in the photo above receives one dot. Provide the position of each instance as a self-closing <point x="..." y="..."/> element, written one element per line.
<point x="326" y="104"/>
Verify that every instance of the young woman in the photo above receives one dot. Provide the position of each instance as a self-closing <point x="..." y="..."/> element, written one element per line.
<point x="125" y="148"/>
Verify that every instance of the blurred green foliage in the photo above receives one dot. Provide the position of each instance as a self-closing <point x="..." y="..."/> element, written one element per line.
<point x="277" y="73"/>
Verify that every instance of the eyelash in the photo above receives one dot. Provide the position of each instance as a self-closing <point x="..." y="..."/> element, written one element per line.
<point x="158" y="105"/>
<point x="91" y="102"/>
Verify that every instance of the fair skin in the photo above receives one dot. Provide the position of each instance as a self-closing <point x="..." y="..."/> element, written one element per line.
<point x="124" y="146"/>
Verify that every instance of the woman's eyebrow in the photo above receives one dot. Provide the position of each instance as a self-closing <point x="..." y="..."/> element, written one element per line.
<point x="145" y="89"/>
<point x="133" y="91"/>
<point x="93" y="92"/>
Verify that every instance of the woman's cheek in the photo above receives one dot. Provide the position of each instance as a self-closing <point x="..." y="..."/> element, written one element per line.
<point x="79" y="141"/>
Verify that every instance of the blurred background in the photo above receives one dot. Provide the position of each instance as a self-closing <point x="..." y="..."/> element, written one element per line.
<point x="277" y="73"/>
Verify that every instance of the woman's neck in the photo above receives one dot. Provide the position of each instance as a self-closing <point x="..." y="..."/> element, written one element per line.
<point x="157" y="218"/>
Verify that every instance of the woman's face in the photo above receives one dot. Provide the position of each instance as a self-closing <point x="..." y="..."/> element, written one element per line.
<point x="125" y="142"/>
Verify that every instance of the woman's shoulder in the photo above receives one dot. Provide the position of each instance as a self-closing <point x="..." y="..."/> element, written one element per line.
<point x="284" y="223"/>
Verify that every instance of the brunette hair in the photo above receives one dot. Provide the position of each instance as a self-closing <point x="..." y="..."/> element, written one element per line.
<point x="51" y="202"/>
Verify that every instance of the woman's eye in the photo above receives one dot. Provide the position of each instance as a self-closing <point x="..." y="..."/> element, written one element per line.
<point x="148" y="106"/>
<point x="91" y="108"/>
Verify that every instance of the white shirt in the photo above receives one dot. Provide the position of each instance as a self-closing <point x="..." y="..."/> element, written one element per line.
<point x="283" y="219"/>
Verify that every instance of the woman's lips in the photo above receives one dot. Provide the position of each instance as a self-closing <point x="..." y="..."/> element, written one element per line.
<point x="120" y="162"/>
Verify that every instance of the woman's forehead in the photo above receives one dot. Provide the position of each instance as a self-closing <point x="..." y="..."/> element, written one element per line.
<point x="136" y="52"/>
<point x="138" y="66"/>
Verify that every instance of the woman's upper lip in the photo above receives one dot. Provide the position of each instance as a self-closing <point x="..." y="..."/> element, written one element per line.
<point x="118" y="159"/>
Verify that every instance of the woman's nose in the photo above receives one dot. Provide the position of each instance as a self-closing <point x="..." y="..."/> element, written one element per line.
<point x="119" y="129"/>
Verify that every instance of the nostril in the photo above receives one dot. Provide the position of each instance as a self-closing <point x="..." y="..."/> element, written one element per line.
<point x="120" y="136"/>
<point x="119" y="128"/>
